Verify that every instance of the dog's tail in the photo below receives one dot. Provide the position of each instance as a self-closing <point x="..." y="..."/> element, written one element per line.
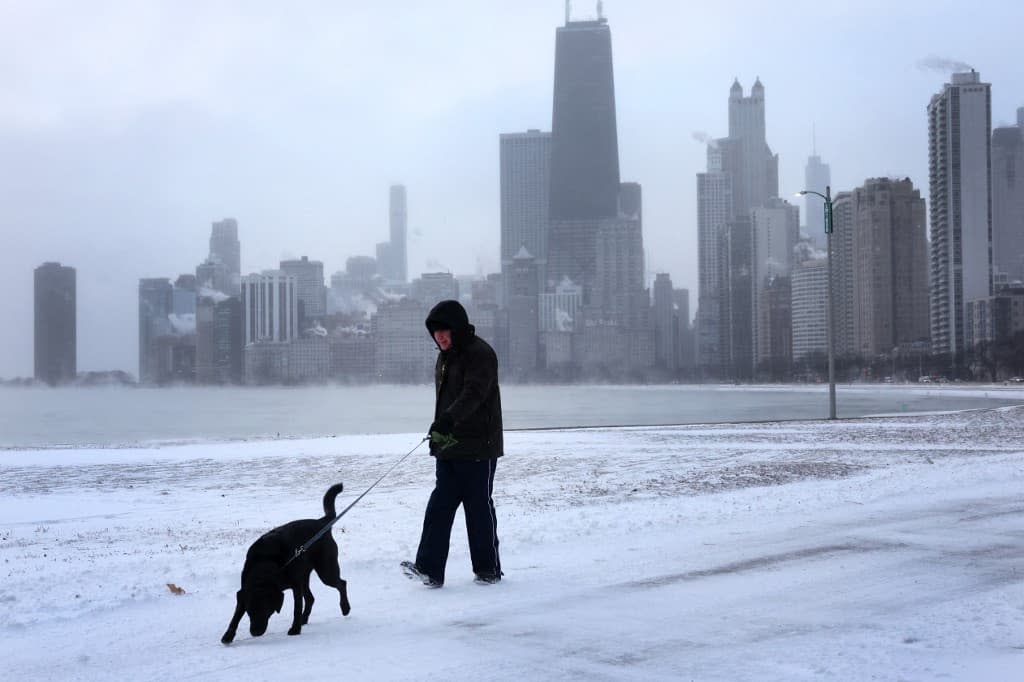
<point x="329" y="496"/>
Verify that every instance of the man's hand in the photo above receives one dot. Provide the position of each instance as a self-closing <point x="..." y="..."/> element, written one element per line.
<point x="443" y="425"/>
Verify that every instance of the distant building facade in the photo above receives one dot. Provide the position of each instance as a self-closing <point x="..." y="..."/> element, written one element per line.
<point x="270" y="321"/>
<point x="960" y="174"/>
<point x="1008" y="199"/>
<point x="226" y="250"/>
<point x="525" y="176"/>
<point x="404" y="350"/>
<point x="890" y="306"/>
<point x="817" y="177"/>
<point x="392" y="256"/>
<point x="55" y="323"/>
<point x="310" y="291"/>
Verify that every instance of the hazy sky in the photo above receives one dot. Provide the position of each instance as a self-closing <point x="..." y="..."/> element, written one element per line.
<point x="127" y="128"/>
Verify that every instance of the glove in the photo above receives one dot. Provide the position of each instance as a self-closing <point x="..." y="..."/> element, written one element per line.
<point x="443" y="425"/>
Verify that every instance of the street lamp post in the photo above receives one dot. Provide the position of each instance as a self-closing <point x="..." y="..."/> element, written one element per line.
<point x="830" y="331"/>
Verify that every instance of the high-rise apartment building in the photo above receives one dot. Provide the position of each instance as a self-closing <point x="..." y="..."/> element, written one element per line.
<point x="775" y="229"/>
<point x="809" y="292"/>
<point x="890" y="266"/>
<point x="269" y="307"/>
<point x="310" y="290"/>
<point x="525" y="160"/>
<point x="56" y="323"/>
<point x="844" y="227"/>
<point x="666" y="327"/>
<point x="270" y="322"/>
<point x="156" y="301"/>
<point x="433" y="287"/>
<point x="960" y="180"/>
<point x="523" y="316"/>
<point x="218" y="338"/>
<point x="404" y="350"/>
<point x="1008" y="199"/>
<point x="687" y="350"/>
<point x="738" y="305"/>
<point x="226" y="249"/>
<point x="714" y="212"/>
<point x="398" y="225"/>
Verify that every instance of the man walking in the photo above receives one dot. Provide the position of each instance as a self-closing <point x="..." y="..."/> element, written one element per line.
<point x="466" y="440"/>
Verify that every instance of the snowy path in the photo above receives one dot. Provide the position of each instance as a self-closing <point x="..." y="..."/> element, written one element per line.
<point x="869" y="549"/>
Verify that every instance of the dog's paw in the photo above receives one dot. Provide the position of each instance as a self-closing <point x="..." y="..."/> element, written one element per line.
<point x="295" y="630"/>
<point x="227" y="638"/>
<point x="345" y="609"/>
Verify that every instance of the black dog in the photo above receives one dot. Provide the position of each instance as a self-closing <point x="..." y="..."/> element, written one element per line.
<point x="267" y="572"/>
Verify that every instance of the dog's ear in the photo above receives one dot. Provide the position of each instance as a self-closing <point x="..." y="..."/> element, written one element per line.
<point x="280" y="602"/>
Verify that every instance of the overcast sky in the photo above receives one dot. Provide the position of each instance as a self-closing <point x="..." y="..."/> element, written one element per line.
<point x="127" y="128"/>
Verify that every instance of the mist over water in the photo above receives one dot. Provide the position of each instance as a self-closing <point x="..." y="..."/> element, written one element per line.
<point x="122" y="416"/>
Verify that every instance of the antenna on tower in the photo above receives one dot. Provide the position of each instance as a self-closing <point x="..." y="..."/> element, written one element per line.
<point x="600" y="10"/>
<point x="568" y="10"/>
<point x="814" y="139"/>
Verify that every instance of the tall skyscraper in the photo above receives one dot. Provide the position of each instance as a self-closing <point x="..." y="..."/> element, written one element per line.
<point x="890" y="262"/>
<point x="817" y="176"/>
<point x="960" y="179"/>
<point x="844" y="228"/>
<point x="156" y="304"/>
<point x="56" y="323"/>
<point x="714" y="212"/>
<point x="757" y="178"/>
<point x="775" y="229"/>
<point x="584" y="151"/>
<point x="523" y="317"/>
<point x="742" y="175"/>
<point x="666" y="327"/>
<point x="310" y="291"/>
<point x="1008" y="199"/>
<point x="525" y="187"/>
<point x="584" y="137"/>
<point x="738" y="308"/>
<point x="398" y="223"/>
<point x="167" y="330"/>
<point x="392" y="257"/>
<point x="226" y="249"/>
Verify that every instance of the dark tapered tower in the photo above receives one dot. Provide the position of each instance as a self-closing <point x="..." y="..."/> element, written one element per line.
<point x="584" y="142"/>
<point x="584" y="150"/>
<point x="55" y="324"/>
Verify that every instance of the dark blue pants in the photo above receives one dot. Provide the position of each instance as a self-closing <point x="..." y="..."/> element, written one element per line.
<point x="469" y="483"/>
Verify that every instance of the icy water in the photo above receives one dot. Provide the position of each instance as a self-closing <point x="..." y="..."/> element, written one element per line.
<point x="119" y="416"/>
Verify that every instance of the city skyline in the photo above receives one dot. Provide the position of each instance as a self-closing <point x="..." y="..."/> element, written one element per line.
<point x="123" y="182"/>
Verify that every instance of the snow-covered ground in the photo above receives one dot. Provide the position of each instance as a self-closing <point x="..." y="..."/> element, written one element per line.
<point x="888" y="549"/>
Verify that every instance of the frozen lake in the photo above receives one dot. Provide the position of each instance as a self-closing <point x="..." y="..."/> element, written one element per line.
<point x="116" y="416"/>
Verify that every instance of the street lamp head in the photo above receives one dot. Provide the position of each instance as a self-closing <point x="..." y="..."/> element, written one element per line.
<point x="800" y="193"/>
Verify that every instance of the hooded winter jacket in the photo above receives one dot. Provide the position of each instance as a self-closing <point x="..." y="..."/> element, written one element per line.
<point x="466" y="383"/>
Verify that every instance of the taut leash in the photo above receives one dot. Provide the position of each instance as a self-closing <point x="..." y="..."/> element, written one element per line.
<point x="320" y="533"/>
